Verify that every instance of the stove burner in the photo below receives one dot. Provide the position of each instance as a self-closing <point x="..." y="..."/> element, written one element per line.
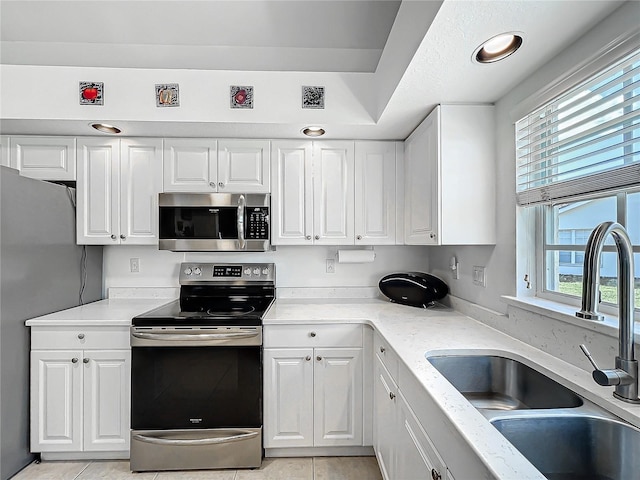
<point x="232" y="311"/>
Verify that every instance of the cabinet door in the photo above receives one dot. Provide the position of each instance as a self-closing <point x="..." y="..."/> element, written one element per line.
<point x="190" y="165"/>
<point x="140" y="184"/>
<point x="338" y="397"/>
<point x="422" y="152"/>
<point x="107" y="376"/>
<point x="417" y="457"/>
<point x="98" y="191"/>
<point x="385" y="418"/>
<point x="292" y="195"/>
<point x="4" y="151"/>
<point x="333" y="193"/>
<point x="243" y="166"/>
<point x="46" y="158"/>
<point x="375" y="193"/>
<point x="288" y="397"/>
<point x="56" y="401"/>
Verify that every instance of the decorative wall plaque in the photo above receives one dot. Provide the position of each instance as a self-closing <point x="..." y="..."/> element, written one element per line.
<point x="167" y="95"/>
<point x="312" y="97"/>
<point x="91" y="93"/>
<point x="241" y="97"/>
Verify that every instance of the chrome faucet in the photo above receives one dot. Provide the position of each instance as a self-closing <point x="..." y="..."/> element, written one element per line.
<point x="625" y="375"/>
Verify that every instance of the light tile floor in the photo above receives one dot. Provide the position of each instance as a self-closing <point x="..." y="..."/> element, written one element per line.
<point x="316" y="468"/>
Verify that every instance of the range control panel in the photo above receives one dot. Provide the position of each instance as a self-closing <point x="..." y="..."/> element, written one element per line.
<point x="191" y="273"/>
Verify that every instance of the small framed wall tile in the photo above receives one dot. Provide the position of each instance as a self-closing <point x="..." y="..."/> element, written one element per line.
<point x="91" y="93"/>
<point x="312" y="97"/>
<point x="241" y="97"/>
<point x="167" y="95"/>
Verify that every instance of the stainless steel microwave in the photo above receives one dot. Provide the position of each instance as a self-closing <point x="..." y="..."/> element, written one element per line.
<point x="214" y="222"/>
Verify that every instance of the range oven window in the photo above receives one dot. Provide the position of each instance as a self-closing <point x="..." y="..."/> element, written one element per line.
<point x="199" y="222"/>
<point x="196" y="387"/>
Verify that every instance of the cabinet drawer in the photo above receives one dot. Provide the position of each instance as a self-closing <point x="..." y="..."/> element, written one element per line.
<point x="313" y="335"/>
<point x="387" y="356"/>
<point x="51" y="338"/>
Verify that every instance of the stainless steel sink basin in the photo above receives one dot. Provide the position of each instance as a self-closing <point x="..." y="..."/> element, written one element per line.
<point x="498" y="383"/>
<point x="575" y="447"/>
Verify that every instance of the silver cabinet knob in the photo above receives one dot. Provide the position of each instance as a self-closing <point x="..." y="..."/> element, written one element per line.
<point x="220" y="184"/>
<point x="392" y="395"/>
<point x="85" y="360"/>
<point x="308" y="358"/>
<point x="382" y="349"/>
<point x="122" y="236"/>
<point x="359" y="237"/>
<point x="308" y="237"/>
<point x="113" y="237"/>
<point x="81" y="336"/>
<point x="319" y="358"/>
<point x="212" y="184"/>
<point x="317" y="237"/>
<point x="432" y="235"/>
<point x="74" y="360"/>
<point x="435" y="475"/>
<point x="312" y="334"/>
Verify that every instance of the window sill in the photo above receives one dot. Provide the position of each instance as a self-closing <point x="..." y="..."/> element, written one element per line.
<point x="566" y="313"/>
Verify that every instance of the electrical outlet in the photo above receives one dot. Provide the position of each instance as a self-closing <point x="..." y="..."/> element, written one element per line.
<point x="479" y="277"/>
<point x="134" y="265"/>
<point x="331" y="265"/>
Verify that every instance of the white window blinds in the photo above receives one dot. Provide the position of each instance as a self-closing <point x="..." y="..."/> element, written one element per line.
<point x="586" y="141"/>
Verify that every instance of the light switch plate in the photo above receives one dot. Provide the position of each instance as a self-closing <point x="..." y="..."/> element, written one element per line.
<point x="479" y="277"/>
<point x="134" y="265"/>
<point x="331" y="265"/>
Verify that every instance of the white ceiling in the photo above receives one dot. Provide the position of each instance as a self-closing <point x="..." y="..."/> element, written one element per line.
<point x="313" y="35"/>
<point x="413" y="54"/>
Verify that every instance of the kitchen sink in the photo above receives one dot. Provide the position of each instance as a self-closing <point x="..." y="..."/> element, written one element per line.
<point x="575" y="447"/>
<point x="498" y="383"/>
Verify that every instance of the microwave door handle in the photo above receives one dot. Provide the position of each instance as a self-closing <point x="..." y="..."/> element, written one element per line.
<point x="241" y="209"/>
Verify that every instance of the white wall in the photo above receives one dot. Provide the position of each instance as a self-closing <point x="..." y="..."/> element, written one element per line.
<point x="296" y="267"/>
<point x="503" y="278"/>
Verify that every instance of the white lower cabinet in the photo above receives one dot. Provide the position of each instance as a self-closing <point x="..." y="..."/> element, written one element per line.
<point x="403" y="449"/>
<point x="313" y="395"/>
<point x="79" y="396"/>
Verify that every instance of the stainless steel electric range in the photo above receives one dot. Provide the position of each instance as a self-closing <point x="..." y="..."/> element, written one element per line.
<point x="196" y="371"/>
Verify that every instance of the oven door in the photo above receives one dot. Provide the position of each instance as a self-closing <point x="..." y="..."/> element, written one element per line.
<point x="194" y="385"/>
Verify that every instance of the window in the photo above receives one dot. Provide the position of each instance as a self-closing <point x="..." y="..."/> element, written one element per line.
<point x="578" y="166"/>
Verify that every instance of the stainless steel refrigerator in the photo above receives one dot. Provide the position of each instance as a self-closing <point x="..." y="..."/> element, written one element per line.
<point x="42" y="270"/>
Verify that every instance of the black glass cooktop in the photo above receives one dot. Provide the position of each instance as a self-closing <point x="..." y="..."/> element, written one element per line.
<point x="230" y="311"/>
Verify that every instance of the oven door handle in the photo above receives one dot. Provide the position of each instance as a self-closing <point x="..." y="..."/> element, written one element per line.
<point x="195" y="337"/>
<point x="243" y="435"/>
<point x="241" y="211"/>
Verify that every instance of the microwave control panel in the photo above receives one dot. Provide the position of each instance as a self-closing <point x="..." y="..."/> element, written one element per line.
<point x="258" y="223"/>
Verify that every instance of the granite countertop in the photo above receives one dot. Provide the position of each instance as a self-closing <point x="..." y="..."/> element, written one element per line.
<point x="413" y="333"/>
<point x="109" y="312"/>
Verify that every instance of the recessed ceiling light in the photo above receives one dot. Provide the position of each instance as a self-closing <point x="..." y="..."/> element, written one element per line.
<point x="105" y="128"/>
<point x="313" y="131"/>
<point x="497" y="48"/>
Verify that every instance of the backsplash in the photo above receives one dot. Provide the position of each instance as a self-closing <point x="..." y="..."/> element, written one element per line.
<point x="297" y="267"/>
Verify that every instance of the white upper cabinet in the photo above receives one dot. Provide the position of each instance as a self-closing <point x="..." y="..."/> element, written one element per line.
<point x="4" y="151"/>
<point x="450" y="177"/>
<point x="45" y="158"/>
<point x="313" y="193"/>
<point x="333" y="193"/>
<point x="205" y="165"/>
<point x="117" y="191"/>
<point x="141" y="181"/>
<point x="190" y="165"/>
<point x="243" y="166"/>
<point x="292" y="195"/>
<point x="375" y="193"/>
